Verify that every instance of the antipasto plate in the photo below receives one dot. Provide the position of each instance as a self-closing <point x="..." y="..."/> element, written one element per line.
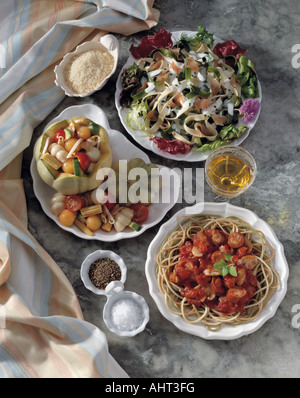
<point x="121" y="149"/>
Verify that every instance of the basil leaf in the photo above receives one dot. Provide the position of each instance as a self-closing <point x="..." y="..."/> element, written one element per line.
<point x="224" y="271"/>
<point x="232" y="271"/>
<point x="228" y="257"/>
<point x="220" y="263"/>
<point x="219" y="266"/>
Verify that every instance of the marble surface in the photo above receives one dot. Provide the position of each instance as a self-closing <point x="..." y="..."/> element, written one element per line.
<point x="268" y="30"/>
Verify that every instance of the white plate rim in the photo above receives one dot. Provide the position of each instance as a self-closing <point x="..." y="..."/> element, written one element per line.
<point x="40" y="188"/>
<point x="143" y="140"/>
<point x="226" y="332"/>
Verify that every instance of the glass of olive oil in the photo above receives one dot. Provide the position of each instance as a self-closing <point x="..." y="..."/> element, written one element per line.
<point x="229" y="171"/>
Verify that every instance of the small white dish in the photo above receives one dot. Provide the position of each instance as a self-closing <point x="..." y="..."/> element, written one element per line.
<point x="226" y="332"/>
<point x="118" y="303"/>
<point x="85" y="266"/>
<point x="107" y="42"/>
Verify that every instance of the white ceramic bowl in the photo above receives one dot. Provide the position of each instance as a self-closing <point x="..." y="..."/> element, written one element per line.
<point x="116" y="295"/>
<point x="107" y="42"/>
<point x="226" y="332"/>
<point x="85" y="266"/>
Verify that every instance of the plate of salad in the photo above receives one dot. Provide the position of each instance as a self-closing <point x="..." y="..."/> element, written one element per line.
<point x="183" y="94"/>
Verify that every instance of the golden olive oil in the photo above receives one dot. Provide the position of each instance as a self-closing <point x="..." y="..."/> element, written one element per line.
<point x="229" y="173"/>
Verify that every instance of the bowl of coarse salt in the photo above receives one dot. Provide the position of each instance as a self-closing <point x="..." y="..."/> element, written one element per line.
<point x="125" y="313"/>
<point x="88" y="68"/>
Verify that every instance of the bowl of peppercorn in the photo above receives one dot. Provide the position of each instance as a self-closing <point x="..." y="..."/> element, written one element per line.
<point x="100" y="268"/>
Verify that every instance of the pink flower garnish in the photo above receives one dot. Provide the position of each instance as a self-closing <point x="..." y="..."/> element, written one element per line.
<point x="250" y="109"/>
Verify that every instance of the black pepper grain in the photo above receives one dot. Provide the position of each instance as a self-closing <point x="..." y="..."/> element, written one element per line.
<point x="103" y="271"/>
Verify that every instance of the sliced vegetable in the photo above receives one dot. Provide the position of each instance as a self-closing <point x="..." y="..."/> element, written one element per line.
<point x="59" y="135"/>
<point x="84" y="160"/>
<point x="73" y="203"/>
<point x="135" y="226"/>
<point x="68" y="134"/>
<point x="76" y="167"/>
<point x="94" y="128"/>
<point x="140" y="213"/>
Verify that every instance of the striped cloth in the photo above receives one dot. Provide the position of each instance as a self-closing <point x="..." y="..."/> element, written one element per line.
<point x="41" y="32"/>
<point x="42" y="330"/>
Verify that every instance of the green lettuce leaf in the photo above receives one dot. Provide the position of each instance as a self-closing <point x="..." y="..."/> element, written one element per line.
<point x="246" y="75"/>
<point x="230" y="132"/>
<point x="192" y="43"/>
<point x="136" y="115"/>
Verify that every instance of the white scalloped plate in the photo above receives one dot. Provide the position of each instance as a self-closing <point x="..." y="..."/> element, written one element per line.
<point x="121" y="149"/>
<point x="226" y="332"/>
<point x="143" y="139"/>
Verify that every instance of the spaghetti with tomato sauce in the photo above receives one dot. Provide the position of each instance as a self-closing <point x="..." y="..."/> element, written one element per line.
<point x="216" y="270"/>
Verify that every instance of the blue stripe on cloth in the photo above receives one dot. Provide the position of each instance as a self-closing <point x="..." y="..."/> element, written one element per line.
<point x="38" y="106"/>
<point x="13" y="367"/>
<point x="23" y="13"/>
<point x="87" y="336"/>
<point x="12" y="29"/>
<point x="42" y="287"/>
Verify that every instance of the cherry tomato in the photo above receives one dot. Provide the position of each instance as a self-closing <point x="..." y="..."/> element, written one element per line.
<point x="84" y="160"/>
<point x="73" y="203"/>
<point x="60" y="134"/>
<point x="140" y="212"/>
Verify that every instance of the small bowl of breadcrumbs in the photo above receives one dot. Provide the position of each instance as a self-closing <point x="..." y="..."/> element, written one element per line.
<point x="88" y="68"/>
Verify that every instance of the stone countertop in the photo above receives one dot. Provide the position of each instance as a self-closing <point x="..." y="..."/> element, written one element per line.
<point x="268" y="30"/>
